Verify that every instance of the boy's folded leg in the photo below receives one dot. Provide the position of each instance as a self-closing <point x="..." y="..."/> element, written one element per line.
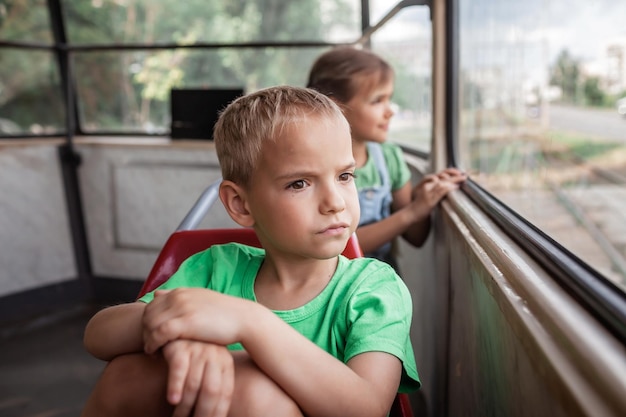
<point x="130" y="385"/>
<point x="256" y="394"/>
<point x="135" y="385"/>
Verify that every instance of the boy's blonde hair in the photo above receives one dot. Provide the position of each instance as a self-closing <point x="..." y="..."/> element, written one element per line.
<point x="341" y="72"/>
<point x="249" y="121"/>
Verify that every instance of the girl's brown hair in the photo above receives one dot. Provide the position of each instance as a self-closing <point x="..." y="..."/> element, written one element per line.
<point x="342" y="71"/>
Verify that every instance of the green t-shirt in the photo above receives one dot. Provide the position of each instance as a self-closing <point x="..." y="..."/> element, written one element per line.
<point x="365" y="307"/>
<point x="399" y="174"/>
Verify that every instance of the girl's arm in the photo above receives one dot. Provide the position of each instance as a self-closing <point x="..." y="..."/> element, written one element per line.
<point x="424" y="197"/>
<point x="403" y="199"/>
<point x="411" y="210"/>
<point x="115" y="330"/>
<point x="409" y="219"/>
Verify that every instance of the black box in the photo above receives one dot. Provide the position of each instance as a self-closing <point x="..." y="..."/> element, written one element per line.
<point x="195" y="111"/>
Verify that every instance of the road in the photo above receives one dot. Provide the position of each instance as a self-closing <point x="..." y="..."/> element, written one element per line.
<point x="601" y="124"/>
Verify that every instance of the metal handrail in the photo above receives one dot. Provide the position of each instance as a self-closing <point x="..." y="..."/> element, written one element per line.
<point x="369" y="31"/>
<point x="201" y="207"/>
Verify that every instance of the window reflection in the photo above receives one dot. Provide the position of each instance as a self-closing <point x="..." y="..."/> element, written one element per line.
<point x="31" y="99"/>
<point x="126" y="92"/>
<point x="219" y="21"/>
<point x="25" y="21"/>
<point x="540" y="124"/>
<point x="405" y="42"/>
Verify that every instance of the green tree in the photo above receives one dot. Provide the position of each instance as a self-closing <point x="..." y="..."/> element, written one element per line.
<point x="128" y="90"/>
<point x="30" y="91"/>
<point x="594" y="95"/>
<point x="565" y="73"/>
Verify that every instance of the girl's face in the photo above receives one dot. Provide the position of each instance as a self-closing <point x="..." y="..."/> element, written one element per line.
<point x="369" y="112"/>
<point x="302" y="195"/>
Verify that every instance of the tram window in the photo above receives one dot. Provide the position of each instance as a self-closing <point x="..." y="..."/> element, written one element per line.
<point x="407" y="45"/>
<point x="25" y="21"/>
<point x="128" y="91"/>
<point x="31" y="99"/>
<point x="30" y="89"/>
<point x="219" y="21"/>
<point x="539" y="84"/>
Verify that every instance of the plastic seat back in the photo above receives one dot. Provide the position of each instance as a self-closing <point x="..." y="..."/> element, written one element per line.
<point x="184" y="243"/>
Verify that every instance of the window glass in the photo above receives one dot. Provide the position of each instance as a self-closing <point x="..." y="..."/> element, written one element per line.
<point x="25" y="21"/>
<point x="405" y="42"/>
<point x="542" y="106"/>
<point x="130" y="91"/>
<point x="219" y="21"/>
<point x="31" y="99"/>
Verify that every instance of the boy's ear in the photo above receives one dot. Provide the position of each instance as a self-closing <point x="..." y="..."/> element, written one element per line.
<point x="234" y="200"/>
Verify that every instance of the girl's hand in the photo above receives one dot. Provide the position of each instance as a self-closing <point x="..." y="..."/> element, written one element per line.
<point x="201" y="378"/>
<point x="434" y="187"/>
<point x="452" y="175"/>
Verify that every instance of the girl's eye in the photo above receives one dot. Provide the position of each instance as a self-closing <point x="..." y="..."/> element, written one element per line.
<point x="297" y="185"/>
<point x="379" y="100"/>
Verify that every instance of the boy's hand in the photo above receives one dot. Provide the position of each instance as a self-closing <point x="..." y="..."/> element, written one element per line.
<point x="201" y="378"/>
<point x="194" y="314"/>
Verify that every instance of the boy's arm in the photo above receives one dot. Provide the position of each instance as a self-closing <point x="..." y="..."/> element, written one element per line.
<point x="115" y="330"/>
<point x="319" y="383"/>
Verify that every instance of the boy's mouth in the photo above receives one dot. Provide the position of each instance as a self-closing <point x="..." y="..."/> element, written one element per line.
<point x="335" y="229"/>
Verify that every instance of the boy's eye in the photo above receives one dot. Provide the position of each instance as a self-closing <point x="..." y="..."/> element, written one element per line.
<point x="297" y="185"/>
<point x="346" y="176"/>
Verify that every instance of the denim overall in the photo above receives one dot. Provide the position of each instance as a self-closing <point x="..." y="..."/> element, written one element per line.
<point x="375" y="202"/>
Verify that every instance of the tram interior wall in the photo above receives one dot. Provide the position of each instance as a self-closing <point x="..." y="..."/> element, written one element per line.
<point x="35" y="233"/>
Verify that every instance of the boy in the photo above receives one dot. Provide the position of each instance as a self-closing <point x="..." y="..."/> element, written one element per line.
<point x="288" y="330"/>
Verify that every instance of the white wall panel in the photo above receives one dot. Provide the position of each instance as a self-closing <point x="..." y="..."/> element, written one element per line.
<point x="135" y="197"/>
<point x="35" y="241"/>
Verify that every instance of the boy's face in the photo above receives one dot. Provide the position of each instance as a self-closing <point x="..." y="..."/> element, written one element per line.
<point x="369" y="113"/>
<point x="302" y="194"/>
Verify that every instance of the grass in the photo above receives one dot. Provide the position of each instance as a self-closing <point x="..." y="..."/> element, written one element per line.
<point x="582" y="147"/>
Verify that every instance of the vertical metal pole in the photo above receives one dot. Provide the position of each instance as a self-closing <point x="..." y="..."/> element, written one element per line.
<point x="365" y="21"/>
<point x="70" y="159"/>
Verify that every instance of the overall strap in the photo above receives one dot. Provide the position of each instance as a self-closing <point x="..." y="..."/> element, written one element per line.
<point x="376" y="152"/>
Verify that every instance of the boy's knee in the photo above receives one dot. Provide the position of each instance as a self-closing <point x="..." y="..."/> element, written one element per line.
<point x="130" y="384"/>
<point x="258" y="395"/>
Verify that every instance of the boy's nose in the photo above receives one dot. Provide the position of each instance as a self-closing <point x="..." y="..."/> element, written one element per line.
<point x="332" y="200"/>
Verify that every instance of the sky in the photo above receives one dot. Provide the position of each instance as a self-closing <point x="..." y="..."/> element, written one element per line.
<point x="528" y="36"/>
<point x="584" y="27"/>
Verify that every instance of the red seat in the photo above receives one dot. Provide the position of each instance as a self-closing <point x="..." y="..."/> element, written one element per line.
<point x="184" y="243"/>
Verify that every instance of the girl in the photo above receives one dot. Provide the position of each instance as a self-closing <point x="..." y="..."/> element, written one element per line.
<point x="362" y="84"/>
